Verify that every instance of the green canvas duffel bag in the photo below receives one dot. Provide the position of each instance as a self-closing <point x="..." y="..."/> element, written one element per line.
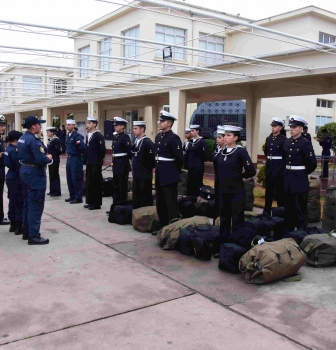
<point x="314" y="200"/>
<point x="145" y="219"/>
<point x="168" y="235"/>
<point x="320" y="249"/>
<point x="329" y="209"/>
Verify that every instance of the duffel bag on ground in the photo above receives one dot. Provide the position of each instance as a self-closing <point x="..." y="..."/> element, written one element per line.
<point x="297" y="235"/>
<point x="313" y="230"/>
<point x="329" y="209"/>
<point x="121" y="213"/>
<point x="107" y="187"/>
<point x="278" y="212"/>
<point x="272" y="261"/>
<point x="209" y="233"/>
<point x="243" y="236"/>
<point x="249" y="187"/>
<point x="314" y="200"/>
<point x="183" y="183"/>
<point x="320" y="249"/>
<point x="229" y="256"/>
<point x="266" y="225"/>
<point x="145" y="219"/>
<point x="187" y="206"/>
<point x="168" y="235"/>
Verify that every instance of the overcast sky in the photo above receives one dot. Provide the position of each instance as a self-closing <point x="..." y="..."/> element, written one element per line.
<point x="76" y="13"/>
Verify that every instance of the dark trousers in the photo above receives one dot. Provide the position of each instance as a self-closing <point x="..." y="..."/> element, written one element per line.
<point x="274" y="186"/>
<point x="296" y="211"/>
<point x="231" y="207"/>
<point x="166" y="203"/>
<point x="74" y="174"/>
<point x="2" y="183"/>
<point x="142" y="193"/>
<point x="195" y="181"/>
<point x="54" y="179"/>
<point x="94" y="185"/>
<point x="325" y="166"/>
<point x="120" y="188"/>
<point x="15" y="200"/>
<point x="63" y="145"/>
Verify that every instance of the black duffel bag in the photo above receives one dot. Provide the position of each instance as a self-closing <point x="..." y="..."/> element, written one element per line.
<point x="107" y="187"/>
<point x="278" y="212"/>
<point x="266" y="225"/>
<point x="121" y="213"/>
<point x="229" y="256"/>
<point x="243" y="236"/>
<point x="187" y="206"/>
<point x="297" y="235"/>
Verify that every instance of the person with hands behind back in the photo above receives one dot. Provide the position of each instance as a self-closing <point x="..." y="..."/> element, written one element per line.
<point x="55" y="149"/>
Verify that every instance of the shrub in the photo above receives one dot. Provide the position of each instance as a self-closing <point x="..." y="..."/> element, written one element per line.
<point x="261" y="177"/>
<point x="210" y="144"/>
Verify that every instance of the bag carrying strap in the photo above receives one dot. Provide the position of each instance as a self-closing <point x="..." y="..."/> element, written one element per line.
<point x="294" y="278"/>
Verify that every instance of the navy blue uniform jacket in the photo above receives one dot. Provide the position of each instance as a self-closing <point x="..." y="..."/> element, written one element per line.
<point x="197" y="153"/>
<point x="74" y="144"/>
<point x="143" y="161"/>
<point x="95" y="149"/>
<point x="11" y="159"/>
<point x="168" y="145"/>
<point x="306" y="136"/>
<point x="55" y="149"/>
<point x="274" y="147"/>
<point x="121" y="144"/>
<point x="185" y="154"/>
<point x="298" y="152"/>
<point x="326" y="144"/>
<point x="230" y="171"/>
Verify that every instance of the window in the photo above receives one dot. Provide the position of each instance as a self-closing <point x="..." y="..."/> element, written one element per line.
<point x="324" y="103"/>
<point x="60" y="86"/>
<point x="12" y="84"/>
<point x="105" y="50"/>
<point x="0" y="89"/>
<point x="32" y="85"/>
<point x="170" y="35"/>
<point x="327" y="38"/>
<point x="131" y="47"/>
<point x="211" y="43"/>
<point x="84" y="62"/>
<point x="321" y="121"/>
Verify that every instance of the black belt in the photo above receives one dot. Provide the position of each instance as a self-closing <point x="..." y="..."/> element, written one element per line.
<point x="34" y="165"/>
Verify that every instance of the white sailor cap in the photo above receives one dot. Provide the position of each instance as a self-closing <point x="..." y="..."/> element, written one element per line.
<point x="70" y="122"/>
<point x="187" y="130"/>
<point x="50" y="128"/>
<point x="166" y="116"/>
<point x="295" y="120"/>
<point x="220" y="129"/>
<point x="118" y="121"/>
<point x="139" y="123"/>
<point x="194" y="126"/>
<point x="277" y="122"/>
<point x="92" y="119"/>
<point x="2" y="120"/>
<point x="232" y="128"/>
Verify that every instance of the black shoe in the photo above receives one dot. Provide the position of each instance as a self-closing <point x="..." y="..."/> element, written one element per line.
<point x="94" y="208"/>
<point x="5" y="221"/>
<point x="38" y="241"/>
<point x="76" y="201"/>
<point x="154" y="233"/>
<point x="55" y="195"/>
<point x="18" y="230"/>
<point x="87" y="206"/>
<point x="12" y="226"/>
<point x="24" y="236"/>
<point x="68" y="199"/>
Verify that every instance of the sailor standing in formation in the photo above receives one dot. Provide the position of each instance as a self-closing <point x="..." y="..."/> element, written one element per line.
<point x="55" y="149"/>
<point x="94" y="157"/>
<point x="197" y="155"/>
<point x="3" y="123"/>
<point x="168" y="165"/>
<point x="326" y="144"/>
<point x="143" y="163"/>
<point x="186" y="144"/>
<point x="275" y="166"/>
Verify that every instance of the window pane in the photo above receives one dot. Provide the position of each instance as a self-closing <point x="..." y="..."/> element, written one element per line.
<point x="159" y="28"/>
<point x="318" y="102"/>
<point x="316" y="129"/>
<point x="330" y="104"/>
<point x="169" y="30"/>
<point x="326" y="39"/>
<point x="180" y="32"/>
<point x="318" y="120"/>
<point x="159" y="37"/>
<point x="323" y="103"/>
<point x="321" y="38"/>
<point x="323" y="120"/>
<point x="329" y="119"/>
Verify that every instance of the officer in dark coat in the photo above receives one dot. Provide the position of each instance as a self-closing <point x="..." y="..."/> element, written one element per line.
<point x="94" y="158"/>
<point x="168" y="165"/>
<point x="300" y="161"/>
<point x="75" y="147"/>
<point x="231" y="162"/>
<point x="33" y="159"/>
<point x="55" y="149"/>
<point x="326" y="144"/>
<point x="121" y="155"/>
<point x="62" y="139"/>
<point x="15" y="205"/>
<point x="275" y="166"/>
<point x="306" y="134"/>
<point x="186" y="144"/>
<point x="143" y="163"/>
<point x="197" y="155"/>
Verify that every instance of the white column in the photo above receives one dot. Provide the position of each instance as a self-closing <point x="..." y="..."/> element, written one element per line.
<point x="151" y="116"/>
<point x="18" y="121"/>
<point x="253" y="111"/>
<point x="178" y="106"/>
<point x="46" y="115"/>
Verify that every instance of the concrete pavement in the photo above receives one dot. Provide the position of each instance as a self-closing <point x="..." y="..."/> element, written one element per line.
<point x="102" y="286"/>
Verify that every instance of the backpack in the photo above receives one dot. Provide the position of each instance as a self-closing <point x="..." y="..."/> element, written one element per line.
<point x="202" y="248"/>
<point x="187" y="206"/>
<point x="107" y="187"/>
<point x="314" y="200"/>
<point x="145" y="219"/>
<point x="329" y="209"/>
<point x="278" y="211"/>
<point x="249" y="187"/>
<point x="121" y="213"/>
<point x="229" y="256"/>
<point x="168" y="235"/>
<point x="272" y="261"/>
<point x="320" y="249"/>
